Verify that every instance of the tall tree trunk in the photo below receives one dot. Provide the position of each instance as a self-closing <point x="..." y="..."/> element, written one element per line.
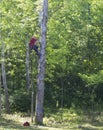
<point x="41" y="67"/>
<point x="4" y="81"/>
<point x="27" y="66"/>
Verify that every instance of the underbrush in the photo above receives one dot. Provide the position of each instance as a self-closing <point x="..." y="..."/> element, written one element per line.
<point x="57" y="119"/>
<point x="74" y="119"/>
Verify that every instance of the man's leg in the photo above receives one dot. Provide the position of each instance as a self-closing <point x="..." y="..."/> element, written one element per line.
<point x="36" y="50"/>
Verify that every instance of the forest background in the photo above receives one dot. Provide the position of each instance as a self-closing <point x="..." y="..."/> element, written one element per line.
<point x="74" y="53"/>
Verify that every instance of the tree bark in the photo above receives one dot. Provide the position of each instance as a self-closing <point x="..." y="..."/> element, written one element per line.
<point x="27" y="66"/>
<point x="41" y="67"/>
<point x="4" y="81"/>
<point x="32" y="105"/>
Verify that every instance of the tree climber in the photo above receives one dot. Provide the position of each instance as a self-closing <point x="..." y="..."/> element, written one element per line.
<point x="33" y="46"/>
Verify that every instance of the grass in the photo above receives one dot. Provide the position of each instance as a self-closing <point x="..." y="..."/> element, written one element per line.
<point x="55" y="120"/>
<point x="15" y="122"/>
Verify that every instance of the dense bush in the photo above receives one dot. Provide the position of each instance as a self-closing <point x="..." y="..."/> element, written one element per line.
<point x="21" y="102"/>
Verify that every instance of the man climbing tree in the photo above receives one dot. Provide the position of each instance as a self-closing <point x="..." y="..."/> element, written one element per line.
<point x="41" y="66"/>
<point x="33" y="46"/>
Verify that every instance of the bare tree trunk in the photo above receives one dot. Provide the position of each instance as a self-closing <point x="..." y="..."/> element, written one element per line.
<point x="4" y="81"/>
<point x="32" y="104"/>
<point x="27" y="66"/>
<point x="41" y="67"/>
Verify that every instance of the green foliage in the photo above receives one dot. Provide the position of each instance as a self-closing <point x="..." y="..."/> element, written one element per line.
<point x="20" y="102"/>
<point x="93" y="78"/>
<point x="74" y="53"/>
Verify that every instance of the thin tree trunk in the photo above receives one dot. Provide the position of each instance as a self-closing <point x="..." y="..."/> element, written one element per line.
<point x="27" y="66"/>
<point x="41" y="67"/>
<point x="4" y="81"/>
<point x="32" y="104"/>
